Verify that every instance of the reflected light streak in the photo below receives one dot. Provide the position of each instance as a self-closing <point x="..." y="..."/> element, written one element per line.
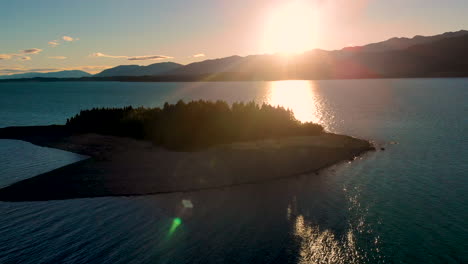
<point x="318" y="246"/>
<point x="299" y="96"/>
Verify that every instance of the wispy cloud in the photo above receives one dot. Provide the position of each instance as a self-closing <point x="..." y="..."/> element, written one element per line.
<point x="53" y="43"/>
<point x="32" y="51"/>
<point x="199" y="55"/>
<point x="68" y="38"/>
<point x="132" y="58"/>
<point x="150" y="57"/>
<point x="6" y="56"/>
<point x="20" y="55"/>
<point x="58" y="57"/>
<point x="8" y="71"/>
<point x="99" y="54"/>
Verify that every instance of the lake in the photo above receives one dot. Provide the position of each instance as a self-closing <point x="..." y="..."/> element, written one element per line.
<point x="406" y="204"/>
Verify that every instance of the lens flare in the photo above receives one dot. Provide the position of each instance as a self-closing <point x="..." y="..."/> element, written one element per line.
<point x="176" y="222"/>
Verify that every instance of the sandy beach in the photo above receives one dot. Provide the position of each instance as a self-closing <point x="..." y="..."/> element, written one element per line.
<point x="123" y="166"/>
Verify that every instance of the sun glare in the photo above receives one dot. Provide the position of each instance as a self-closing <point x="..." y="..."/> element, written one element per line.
<point x="289" y="28"/>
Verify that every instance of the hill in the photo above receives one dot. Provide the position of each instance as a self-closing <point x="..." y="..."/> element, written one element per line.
<point x="404" y="43"/>
<point x="136" y="70"/>
<point x="59" y="74"/>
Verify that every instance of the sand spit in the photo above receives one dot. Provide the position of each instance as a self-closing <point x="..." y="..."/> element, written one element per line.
<point x="123" y="166"/>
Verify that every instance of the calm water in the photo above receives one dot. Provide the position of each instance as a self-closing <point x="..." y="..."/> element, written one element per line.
<point x="407" y="204"/>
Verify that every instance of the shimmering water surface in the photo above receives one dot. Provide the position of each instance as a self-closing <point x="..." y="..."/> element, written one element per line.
<point x="407" y="204"/>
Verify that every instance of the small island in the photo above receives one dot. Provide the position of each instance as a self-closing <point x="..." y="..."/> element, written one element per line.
<point x="178" y="148"/>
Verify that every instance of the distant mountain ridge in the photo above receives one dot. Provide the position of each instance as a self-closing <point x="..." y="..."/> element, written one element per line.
<point x="442" y="55"/>
<point x="349" y="62"/>
<point x="59" y="74"/>
<point x="404" y="43"/>
<point x="437" y="56"/>
<point x="136" y="70"/>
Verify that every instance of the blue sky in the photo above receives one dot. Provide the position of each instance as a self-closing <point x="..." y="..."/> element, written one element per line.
<point x="177" y="30"/>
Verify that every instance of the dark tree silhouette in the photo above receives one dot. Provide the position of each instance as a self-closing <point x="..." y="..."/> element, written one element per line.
<point x="193" y="125"/>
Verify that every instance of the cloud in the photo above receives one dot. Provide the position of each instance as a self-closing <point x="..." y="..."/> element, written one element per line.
<point x="32" y="51"/>
<point x="98" y="54"/>
<point x="58" y="57"/>
<point x="6" y="56"/>
<point x="150" y="57"/>
<point x="8" y="71"/>
<point x="132" y="58"/>
<point x="199" y="55"/>
<point x="53" y="43"/>
<point x="68" y="38"/>
<point x="20" y="55"/>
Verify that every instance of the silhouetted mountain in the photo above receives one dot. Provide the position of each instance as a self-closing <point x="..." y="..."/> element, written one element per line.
<point x="442" y="58"/>
<point x="136" y="70"/>
<point x="404" y="43"/>
<point x="59" y="74"/>
<point x="209" y="66"/>
<point x="438" y="56"/>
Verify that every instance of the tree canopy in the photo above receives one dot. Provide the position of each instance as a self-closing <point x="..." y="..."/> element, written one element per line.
<point x="193" y="125"/>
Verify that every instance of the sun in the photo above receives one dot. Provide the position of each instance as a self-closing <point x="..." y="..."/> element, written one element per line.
<point x="289" y="28"/>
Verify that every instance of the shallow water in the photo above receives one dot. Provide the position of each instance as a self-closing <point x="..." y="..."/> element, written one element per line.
<point x="406" y="204"/>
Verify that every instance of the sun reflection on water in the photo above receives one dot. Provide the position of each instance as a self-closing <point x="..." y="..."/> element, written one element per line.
<point x="317" y="246"/>
<point x="299" y="96"/>
<point x="356" y="243"/>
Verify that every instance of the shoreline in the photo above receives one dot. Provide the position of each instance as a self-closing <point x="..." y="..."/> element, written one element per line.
<point x="127" y="167"/>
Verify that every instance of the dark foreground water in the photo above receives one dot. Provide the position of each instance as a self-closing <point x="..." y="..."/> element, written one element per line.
<point x="407" y="204"/>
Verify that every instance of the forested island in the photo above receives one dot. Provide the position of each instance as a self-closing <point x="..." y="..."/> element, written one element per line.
<point x="193" y="125"/>
<point x="178" y="147"/>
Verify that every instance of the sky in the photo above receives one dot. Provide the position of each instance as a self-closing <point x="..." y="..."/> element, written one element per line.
<point x="93" y="35"/>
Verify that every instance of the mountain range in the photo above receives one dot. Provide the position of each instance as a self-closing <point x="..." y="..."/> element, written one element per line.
<point x="58" y="74"/>
<point x="404" y="43"/>
<point x="441" y="55"/>
<point x="437" y="56"/>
